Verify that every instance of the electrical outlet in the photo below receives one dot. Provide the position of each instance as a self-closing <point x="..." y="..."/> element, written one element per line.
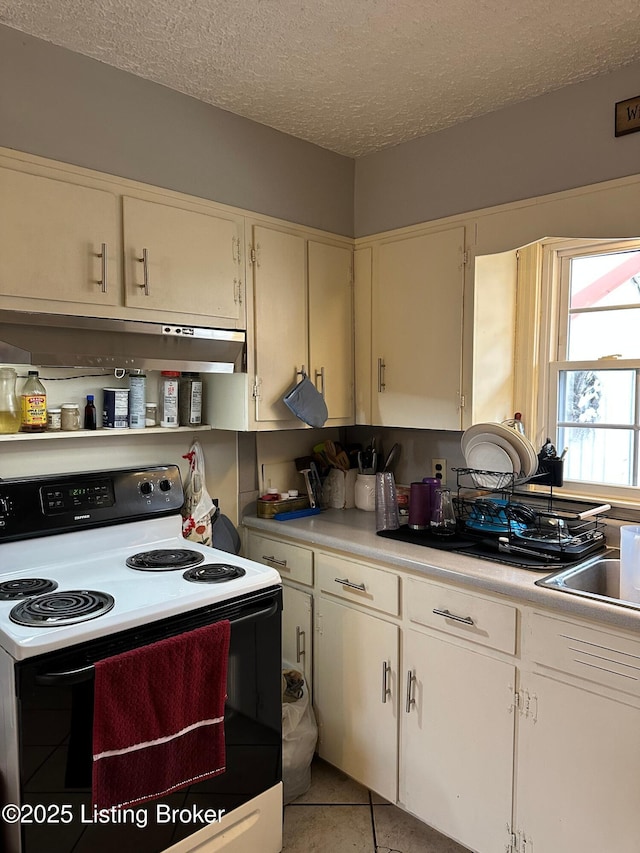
<point x="439" y="470"/>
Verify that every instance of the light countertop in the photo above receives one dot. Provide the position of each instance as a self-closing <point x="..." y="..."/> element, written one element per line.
<point x="353" y="532"/>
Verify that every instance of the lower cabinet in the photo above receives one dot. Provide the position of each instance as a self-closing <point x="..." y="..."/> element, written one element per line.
<point x="457" y="728"/>
<point x="297" y="631"/>
<point x="356" y="694"/>
<point x="503" y="726"/>
<point x="578" y="747"/>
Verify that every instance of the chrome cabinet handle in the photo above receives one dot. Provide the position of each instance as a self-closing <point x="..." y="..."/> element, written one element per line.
<point x="386" y="690"/>
<point x="411" y="701"/>
<point x="281" y="563"/>
<point x="346" y="582"/>
<point x="467" y="620"/>
<point x="144" y="260"/>
<point x="320" y="373"/>
<point x="103" y="255"/>
<point x="300" y="652"/>
<point x="381" y="370"/>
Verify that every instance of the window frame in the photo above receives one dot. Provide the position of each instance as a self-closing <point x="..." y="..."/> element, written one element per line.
<point x="554" y="321"/>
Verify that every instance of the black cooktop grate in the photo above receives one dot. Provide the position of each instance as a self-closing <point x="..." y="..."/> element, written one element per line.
<point x="165" y="560"/>
<point x="14" y="590"/>
<point x="61" y="608"/>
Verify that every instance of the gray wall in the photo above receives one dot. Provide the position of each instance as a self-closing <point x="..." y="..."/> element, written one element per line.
<point x="548" y="144"/>
<point x="61" y="105"/>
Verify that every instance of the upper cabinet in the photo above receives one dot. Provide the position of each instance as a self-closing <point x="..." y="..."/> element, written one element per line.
<point x="416" y="330"/>
<point x="78" y="242"/>
<point x="182" y="261"/>
<point x="301" y="316"/>
<point x="59" y="241"/>
<point x="331" y="325"/>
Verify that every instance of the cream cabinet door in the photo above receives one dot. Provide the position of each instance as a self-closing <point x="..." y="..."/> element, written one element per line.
<point x="297" y="630"/>
<point x="182" y="261"/>
<point x="457" y="729"/>
<point x="417" y="331"/>
<point x="52" y="235"/>
<point x="280" y="319"/>
<point x="578" y="755"/>
<point x="331" y="326"/>
<point x="356" y="695"/>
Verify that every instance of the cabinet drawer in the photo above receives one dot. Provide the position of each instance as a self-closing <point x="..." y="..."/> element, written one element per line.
<point x="359" y="582"/>
<point x="489" y="623"/>
<point x="607" y="659"/>
<point x="293" y="562"/>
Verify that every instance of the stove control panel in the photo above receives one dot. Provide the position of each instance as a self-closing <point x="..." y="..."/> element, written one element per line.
<point x="61" y="503"/>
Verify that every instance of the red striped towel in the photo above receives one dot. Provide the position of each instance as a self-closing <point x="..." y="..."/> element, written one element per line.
<point x="158" y="722"/>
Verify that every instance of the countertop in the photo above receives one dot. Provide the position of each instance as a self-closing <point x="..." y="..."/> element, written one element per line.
<point x="352" y="531"/>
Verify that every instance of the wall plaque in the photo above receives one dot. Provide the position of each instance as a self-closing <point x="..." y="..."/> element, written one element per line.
<point x="628" y="116"/>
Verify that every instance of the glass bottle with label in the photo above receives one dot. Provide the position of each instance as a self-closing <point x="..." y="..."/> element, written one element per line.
<point x="9" y="406"/>
<point x="33" y="400"/>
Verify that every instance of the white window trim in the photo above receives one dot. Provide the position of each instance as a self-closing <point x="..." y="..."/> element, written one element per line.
<point x="553" y="319"/>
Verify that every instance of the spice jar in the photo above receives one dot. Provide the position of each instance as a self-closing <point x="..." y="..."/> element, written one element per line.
<point x="190" y="399"/>
<point x="169" y="398"/>
<point x="151" y="414"/>
<point x="9" y="406"/>
<point x="70" y="416"/>
<point x="54" y="420"/>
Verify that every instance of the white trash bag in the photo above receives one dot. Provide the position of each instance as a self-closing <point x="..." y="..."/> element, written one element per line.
<point x="198" y="505"/>
<point x="299" y="734"/>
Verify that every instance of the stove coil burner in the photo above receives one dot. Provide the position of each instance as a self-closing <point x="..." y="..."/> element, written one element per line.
<point x="61" y="608"/>
<point x="165" y="560"/>
<point x="25" y="588"/>
<point x="214" y="573"/>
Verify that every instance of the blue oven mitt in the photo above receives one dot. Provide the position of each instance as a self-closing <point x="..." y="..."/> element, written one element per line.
<point x="307" y="403"/>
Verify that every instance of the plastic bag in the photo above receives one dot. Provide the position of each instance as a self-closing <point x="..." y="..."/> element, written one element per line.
<point x="198" y="505"/>
<point x="299" y="738"/>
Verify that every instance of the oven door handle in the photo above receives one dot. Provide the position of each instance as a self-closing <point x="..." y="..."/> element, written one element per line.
<point x="84" y="673"/>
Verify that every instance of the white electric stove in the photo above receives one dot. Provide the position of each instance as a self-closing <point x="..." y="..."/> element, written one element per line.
<point x="94" y="564"/>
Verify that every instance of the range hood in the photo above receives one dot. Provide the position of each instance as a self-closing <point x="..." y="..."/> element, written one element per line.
<point x="53" y="340"/>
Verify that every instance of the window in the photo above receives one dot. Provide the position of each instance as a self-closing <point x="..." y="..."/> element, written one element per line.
<point x="592" y="394"/>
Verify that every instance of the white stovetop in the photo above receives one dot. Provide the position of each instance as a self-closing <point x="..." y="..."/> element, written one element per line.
<point x="95" y="560"/>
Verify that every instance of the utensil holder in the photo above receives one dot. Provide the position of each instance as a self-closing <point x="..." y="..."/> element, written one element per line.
<point x="550" y="472"/>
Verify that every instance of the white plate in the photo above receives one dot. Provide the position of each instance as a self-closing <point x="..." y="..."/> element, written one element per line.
<point x="501" y="442"/>
<point x="521" y="444"/>
<point x="487" y="456"/>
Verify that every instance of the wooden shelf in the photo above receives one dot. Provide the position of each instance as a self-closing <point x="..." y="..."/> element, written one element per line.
<point x="102" y="433"/>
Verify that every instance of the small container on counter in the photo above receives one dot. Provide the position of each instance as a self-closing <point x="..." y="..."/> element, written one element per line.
<point x="54" y="420"/>
<point x="70" y="417"/>
<point x="169" y="383"/>
<point x="137" y="400"/>
<point x="150" y="414"/>
<point x="115" y="408"/>
<point x="190" y="399"/>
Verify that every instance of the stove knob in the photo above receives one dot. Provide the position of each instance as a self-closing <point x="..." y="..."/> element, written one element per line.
<point x="165" y="485"/>
<point x="146" y="487"/>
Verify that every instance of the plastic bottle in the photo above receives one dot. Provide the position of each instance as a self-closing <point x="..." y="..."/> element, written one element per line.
<point x="169" y="398"/>
<point x="9" y="406"/>
<point x="90" y="415"/>
<point x="137" y="400"/>
<point x="33" y="400"/>
<point x="190" y="399"/>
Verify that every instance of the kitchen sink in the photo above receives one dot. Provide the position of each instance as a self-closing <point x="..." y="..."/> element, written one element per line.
<point x="597" y="579"/>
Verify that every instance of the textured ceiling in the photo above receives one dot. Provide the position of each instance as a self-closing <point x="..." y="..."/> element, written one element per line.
<point x="353" y="76"/>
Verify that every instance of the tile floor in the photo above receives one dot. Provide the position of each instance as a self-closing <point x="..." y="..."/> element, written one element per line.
<point x="338" y="815"/>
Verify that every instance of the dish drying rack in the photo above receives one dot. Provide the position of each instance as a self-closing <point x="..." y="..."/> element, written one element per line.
<point x="486" y="507"/>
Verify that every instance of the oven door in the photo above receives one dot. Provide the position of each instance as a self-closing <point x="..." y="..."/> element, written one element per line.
<point x="55" y="716"/>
